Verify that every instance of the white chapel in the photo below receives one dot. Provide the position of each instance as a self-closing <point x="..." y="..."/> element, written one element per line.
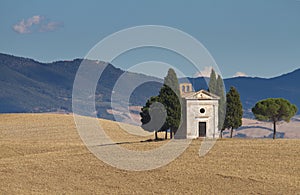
<point x="199" y="114"/>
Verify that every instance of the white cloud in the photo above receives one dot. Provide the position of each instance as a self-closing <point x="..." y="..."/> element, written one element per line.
<point x="35" y="23"/>
<point x="204" y="73"/>
<point x="50" y="26"/>
<point x="21" y="27"/>
<point x="24" y="26"/>
<point x="240" y="74"/>
<point x="35" y="20"/>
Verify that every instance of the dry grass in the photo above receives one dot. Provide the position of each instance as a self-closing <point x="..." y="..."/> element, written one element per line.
<point x="42" y="153"/>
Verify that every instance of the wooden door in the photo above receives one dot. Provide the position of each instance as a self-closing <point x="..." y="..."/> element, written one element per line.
<point x="202" y="129"/>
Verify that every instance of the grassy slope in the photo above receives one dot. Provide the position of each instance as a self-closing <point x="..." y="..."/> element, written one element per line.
<point x="43" y="153"/>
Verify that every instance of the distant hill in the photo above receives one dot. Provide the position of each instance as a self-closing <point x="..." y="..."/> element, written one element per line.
<point x="31" y="86"/>
<point x="253" y="89"/>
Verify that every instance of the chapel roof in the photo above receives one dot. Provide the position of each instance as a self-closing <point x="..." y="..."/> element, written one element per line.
<point x="202" y="94"/>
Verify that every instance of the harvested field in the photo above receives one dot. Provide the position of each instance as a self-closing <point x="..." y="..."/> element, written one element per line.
<point x="43" y="153"/>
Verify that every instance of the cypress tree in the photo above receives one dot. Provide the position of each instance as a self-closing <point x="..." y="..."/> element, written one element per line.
<point x="212" y="86"/>
<point x="220" y="91"/>
<point x="234" y="111"/>
<point x="216" y="86"/>
<point x="169" y="96"/>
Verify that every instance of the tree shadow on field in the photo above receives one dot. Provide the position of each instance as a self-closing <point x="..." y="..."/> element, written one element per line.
<point x="153" y="140"/>
<point x="278" y="135"/>
<point x="133" y="142"/>
<point x="254" y="127"/>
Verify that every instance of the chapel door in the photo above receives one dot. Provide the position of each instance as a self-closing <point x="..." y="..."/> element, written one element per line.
<point x="202" y="129"/>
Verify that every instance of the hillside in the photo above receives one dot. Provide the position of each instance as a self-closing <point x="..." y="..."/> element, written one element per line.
<point x="42" y="153"/>
<point x="31" y="86"/>
<point x="253" y="89"/>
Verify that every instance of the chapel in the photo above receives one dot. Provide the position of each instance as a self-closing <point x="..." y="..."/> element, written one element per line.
<point x="199" y="114"/>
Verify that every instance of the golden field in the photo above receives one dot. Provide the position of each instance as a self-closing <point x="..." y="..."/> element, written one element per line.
<point x="43" y="154"/>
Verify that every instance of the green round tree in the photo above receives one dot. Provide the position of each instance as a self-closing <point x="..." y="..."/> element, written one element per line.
<point x="234" y="111"/>
<point x="274" y="110"/>
<point x="146" y="116"/>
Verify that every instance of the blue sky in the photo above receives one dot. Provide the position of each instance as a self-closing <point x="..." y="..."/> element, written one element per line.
<point x="257" y="38"/>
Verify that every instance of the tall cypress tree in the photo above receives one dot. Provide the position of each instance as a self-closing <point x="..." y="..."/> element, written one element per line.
<point x="220" y="91"/>
<point x="212" y="86"/>
<point x="234" y="110"/>
<point x="171" y="81"/>
<point x="216" y="86"/>
<point x="169" y="96"/>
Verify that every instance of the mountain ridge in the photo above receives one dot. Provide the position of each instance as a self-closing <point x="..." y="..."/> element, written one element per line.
<point x="31" y="86"/>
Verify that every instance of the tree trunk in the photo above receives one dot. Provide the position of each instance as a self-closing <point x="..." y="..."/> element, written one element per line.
<point x="274" y="133"/>
<point x="221" y="134"/>
<point x="231" y="132"/>
<point x="166" y="134"/>
<point x="171" y="133"/>
<point x="155" y="133"/>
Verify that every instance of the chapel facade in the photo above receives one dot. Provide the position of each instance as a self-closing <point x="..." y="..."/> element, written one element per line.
<point x="199" y="114"/>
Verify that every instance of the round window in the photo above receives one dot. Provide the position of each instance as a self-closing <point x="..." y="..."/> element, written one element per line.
<point x="202" y="110"/>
